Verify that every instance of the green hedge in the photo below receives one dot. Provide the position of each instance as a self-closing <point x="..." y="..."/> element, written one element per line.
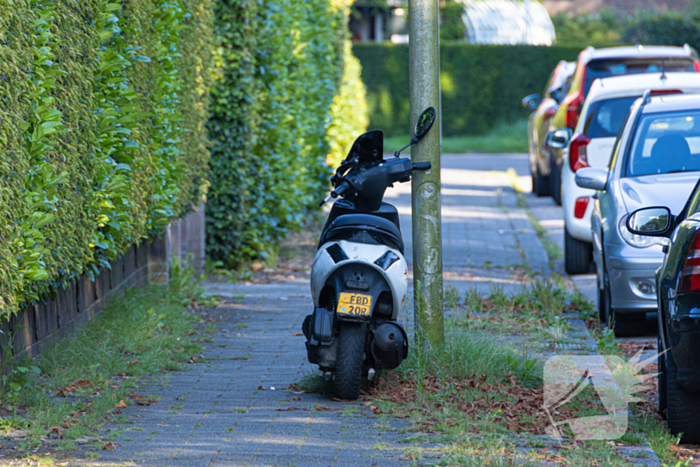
<point x="482" y="85"/>
<point x="102" y="141"/>
<point x="277" y="119"/>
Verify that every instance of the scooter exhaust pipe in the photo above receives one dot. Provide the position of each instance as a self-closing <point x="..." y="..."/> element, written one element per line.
<point x="389" y="346"/>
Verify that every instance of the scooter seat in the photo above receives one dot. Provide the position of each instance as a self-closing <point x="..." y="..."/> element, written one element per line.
<point x="364" y="228"/>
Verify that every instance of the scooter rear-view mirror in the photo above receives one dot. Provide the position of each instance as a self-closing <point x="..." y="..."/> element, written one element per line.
<point x="423" y="125"/>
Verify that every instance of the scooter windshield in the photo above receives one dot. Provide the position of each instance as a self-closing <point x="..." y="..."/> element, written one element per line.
<point x="368" y="147"/>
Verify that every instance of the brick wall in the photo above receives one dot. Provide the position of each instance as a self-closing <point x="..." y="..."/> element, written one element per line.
<point x="33" y="329"/>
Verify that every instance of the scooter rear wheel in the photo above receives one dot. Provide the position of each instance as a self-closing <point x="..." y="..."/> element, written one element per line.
<point x="351" y="348"/>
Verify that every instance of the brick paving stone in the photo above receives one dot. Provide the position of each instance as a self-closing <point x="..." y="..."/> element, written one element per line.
<point x="215" y="414"/>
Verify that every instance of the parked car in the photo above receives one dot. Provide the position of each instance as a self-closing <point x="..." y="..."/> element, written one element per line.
<point x="608" y="103"/>
<point x="678" y="292"/>
<point x="544" y="106"/>
<point x="594" y="64"/>
<point x="655" y="161"/>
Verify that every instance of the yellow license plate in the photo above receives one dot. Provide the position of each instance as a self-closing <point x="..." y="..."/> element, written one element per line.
<point x="354" y="304"/>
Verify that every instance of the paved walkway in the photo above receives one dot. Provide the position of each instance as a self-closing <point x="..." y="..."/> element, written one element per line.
<point x="482" y="225"/>
<point x="232" y="409"/>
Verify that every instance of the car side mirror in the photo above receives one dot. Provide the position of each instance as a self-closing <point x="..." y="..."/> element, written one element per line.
<point x="555" y="94"/>
<point x="558" y="139"/>
<point x="592" y="178"/>
<point x="653" y="222"/>
<point x="532" y="101"/>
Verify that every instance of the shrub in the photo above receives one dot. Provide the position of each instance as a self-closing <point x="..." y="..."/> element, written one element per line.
<point x="102" y="107"/>
<point x="482" y="85"/>
<point x="663" y="29"/>
<point x="280" y="66"/>
<point x="604" y="27"/>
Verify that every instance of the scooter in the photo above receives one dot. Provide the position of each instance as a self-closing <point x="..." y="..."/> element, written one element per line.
<point x="359" y="275"/>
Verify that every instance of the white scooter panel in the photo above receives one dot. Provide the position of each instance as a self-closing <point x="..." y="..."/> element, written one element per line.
<point x="340" y="254"/>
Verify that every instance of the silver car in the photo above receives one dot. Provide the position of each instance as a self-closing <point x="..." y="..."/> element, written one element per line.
<point x="655" y="162"/>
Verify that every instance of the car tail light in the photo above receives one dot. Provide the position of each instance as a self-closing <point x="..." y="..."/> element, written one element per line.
<point x="581" y="206"/>
<point x="573" y="107"/>
<point x="690" y="272"/>
<point x="578" y="154"/>
<point x="696" y="65"/>
<point x="656" y="92"/>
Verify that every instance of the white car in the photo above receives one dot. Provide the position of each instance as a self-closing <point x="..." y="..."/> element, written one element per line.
<point x="604" y="112"/>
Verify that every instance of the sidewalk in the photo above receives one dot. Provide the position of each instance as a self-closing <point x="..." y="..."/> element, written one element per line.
<point x="233" y="409"/>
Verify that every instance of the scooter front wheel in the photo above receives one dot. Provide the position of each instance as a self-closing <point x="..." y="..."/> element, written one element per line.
<point x="351" y="348"/>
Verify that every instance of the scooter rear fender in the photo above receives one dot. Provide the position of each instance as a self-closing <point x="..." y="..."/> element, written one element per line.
<point x="386" y="282"/>
<point x="360" y="278"/>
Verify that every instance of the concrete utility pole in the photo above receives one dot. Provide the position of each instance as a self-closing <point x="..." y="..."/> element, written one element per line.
<point x="424" y="77"/>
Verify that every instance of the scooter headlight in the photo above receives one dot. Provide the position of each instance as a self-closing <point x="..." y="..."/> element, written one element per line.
<point x="639" y="241"/>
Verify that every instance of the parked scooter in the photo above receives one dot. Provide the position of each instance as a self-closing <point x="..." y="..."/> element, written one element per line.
<point x="359" y="275"/>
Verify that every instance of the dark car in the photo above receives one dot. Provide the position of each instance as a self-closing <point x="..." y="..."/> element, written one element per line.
<point x="602" y="63"/>
<point x="545" y="106"/>
<point x="678" y="295"/>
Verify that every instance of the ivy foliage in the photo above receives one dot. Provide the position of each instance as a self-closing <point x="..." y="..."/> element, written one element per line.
<point x="284" y="104"/>
<point x="102" y="132"/>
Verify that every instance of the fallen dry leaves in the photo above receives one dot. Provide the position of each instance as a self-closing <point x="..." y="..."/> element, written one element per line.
<point x="141" y="399"/>
<point x="325" y="408"/>
<point x="120" y="405"/>
<point x="73" y="387"/>
<point x="517" y="407"/>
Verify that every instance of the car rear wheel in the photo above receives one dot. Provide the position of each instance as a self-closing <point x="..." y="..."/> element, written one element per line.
<point x="683" y="407"/>
<point x="629" y="324"/>
<point x="540" y="183"/>
<point x="603" y="300"/>
<point x="578" y="255"/>
<point x="661" y="364"/>
<point x="555" y="182"/>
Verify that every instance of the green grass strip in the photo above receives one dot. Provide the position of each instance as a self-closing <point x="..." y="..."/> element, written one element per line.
<point x="76" y="382"/>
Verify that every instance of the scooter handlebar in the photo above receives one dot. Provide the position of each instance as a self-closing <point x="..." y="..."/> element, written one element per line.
<point x="340" y="191"/>
<point x="421" y="166"/>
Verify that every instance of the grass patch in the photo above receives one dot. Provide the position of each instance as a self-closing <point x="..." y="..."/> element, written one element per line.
<point x="481" y="395"/>
<point x="552" y="249"/>
<point x="81" y="379"/>
<point x="503" y="138"/>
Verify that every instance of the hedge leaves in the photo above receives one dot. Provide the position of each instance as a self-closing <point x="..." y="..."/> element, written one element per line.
<point x="103" y="105"/>
<point x="283" y="105"/>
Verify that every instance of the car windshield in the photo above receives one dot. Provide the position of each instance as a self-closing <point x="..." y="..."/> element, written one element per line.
<point x="605" y="117"/>
<point x="665" y="142"/>
<point x="628" y="66"/>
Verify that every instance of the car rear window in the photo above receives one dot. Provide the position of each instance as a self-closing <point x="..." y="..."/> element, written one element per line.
<point x="605" y="117"/>
<point x="627" y="66"/>
<point x="664" y="143"/>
